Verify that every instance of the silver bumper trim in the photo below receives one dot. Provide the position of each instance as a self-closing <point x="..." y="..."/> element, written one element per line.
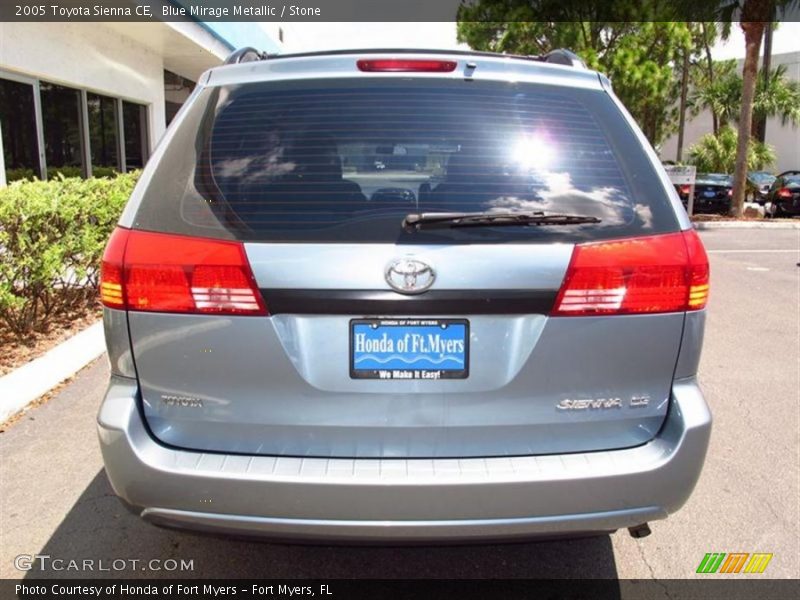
<point x="405" y="499"/>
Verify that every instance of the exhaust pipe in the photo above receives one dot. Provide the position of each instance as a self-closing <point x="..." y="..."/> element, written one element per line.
<point x="639" y="531"/>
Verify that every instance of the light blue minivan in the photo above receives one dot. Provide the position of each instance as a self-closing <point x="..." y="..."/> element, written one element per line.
<point x="404" y="296"/>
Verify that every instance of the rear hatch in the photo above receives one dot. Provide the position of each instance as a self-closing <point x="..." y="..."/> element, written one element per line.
<point x="788" y="194"/>
<point x="713" y="191"/>
<point x="278" y="305"/>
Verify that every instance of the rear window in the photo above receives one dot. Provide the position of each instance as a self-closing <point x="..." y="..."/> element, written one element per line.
<point x="714" y="179"/>
<point x="762" y="178"/>
<point x="346" y="160"/>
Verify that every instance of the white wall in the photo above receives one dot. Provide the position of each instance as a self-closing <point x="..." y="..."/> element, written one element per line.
<point x="91" y="56"/>
<point x="785" y="138"/>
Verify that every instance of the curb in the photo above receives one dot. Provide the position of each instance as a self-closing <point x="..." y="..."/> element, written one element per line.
<point x="22" y="386"/>
<point x="703" y="225"/>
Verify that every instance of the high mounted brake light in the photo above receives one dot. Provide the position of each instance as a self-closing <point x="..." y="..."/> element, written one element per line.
<point x="655" y="274"/>
<point x="156" y="272"/>
<point x="403" y="65"/>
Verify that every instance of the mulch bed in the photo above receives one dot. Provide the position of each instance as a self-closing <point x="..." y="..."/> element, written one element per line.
<point x="16" y="352"/>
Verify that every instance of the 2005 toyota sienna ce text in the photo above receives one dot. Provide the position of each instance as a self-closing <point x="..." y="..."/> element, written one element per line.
<point x="408" y="296"/>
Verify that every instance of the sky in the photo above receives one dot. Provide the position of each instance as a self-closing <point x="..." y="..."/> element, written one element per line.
<point x="784" y="39"/>
<point x="301" y="37"/>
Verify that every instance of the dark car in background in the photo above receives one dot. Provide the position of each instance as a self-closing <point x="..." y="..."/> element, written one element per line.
<point x="783" y="198"/>
<point x="758" y="185"/>
<point x="712" y="193"/>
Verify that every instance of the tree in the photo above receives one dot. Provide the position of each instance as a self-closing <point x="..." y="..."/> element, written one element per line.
<point x="759" y="129"/>
<point x="638" y="57"/>
<point x="720" y="92"/>
<point x="776" y="96"/>
<point x="709" y="32"/>
<point x="717" y="153"/>
<point x="755" y="16"/>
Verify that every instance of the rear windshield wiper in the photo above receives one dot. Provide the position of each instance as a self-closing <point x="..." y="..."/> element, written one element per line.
<point x="417" y="221"/>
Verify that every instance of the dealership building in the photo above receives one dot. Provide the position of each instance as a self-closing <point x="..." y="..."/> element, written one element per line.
<point x="90" y="98"/>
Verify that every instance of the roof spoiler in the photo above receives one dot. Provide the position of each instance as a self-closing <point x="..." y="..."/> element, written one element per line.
<point x="561" y="56"/>
<point x="565" y="57"/>
<point x="246" y="54"/>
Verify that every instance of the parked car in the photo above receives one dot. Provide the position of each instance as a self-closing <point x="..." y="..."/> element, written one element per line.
<point x="712" y="193"/>
<point x="758" y="185"/>
<point x="783" y="198"/>
<point x="512" y="353"/>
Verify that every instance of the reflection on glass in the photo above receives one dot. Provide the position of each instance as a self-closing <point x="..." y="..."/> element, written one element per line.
<point x="533" y="152"/>
<point x="103" y="134"/>
<point x="62" y="130"/>
<point x="18" y="122"/>
<point x="134" y="125"/>
<point x="302" y="162"/>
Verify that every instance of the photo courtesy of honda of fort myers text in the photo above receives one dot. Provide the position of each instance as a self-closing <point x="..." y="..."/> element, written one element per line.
<point x="348" y="299"/>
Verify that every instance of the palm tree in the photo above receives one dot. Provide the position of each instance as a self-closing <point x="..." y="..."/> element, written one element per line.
<point x="759" y="128"/>
<point x="717" y="153"/>
<point x="776" y="96"/>
<point x="721" y="96"/>
<point x="755" y="16"/>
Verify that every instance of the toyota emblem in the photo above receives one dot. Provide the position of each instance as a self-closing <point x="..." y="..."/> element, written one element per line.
<point x="409" y="275"/>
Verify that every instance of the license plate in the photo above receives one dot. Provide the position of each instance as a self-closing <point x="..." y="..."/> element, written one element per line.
<point x="709" y="194"/>
<point x="410" y="349"/>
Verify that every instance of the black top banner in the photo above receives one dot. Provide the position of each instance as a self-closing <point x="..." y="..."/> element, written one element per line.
<point x="390" y="10"/>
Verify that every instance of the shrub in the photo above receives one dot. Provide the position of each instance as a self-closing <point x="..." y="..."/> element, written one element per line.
<point x="103" y="171"/>
<point x="19" y="174"/>
<point x="717" y="153"/>
<point x="63" y="172"/>
<point x="52" y="235"/>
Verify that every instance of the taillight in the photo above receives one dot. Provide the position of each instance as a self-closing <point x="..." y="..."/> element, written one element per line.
<point x="697" y="271"/>
<point x="157" y="272"/>
<point x="730" y="192"/>
<point x="784" y="193"/>
<point x="685" y="189"/>
<point x="406" y="65"/>
<point x="111" y="293"/>
<point x="656" y="274"/>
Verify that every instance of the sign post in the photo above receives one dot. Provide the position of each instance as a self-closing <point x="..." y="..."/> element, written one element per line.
<point x="683" y="175"/>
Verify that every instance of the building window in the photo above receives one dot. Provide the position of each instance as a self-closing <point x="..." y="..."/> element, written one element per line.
<point x="176" y="91"/>
<point x="103" y="140"/>
<point x="18" y="123"/>
<point x="134" y="127"/>
<point x="50" y="130"/>
<point x="61" y="120"/>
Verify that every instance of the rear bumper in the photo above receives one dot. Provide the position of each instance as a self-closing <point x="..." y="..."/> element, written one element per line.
<point x="787" y="207"/>
<point x="403" y="500"/>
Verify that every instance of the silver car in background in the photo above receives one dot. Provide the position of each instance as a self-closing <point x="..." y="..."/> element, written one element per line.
<point x="404" y="296"/>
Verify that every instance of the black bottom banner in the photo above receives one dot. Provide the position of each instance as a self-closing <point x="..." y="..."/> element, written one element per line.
<point x="727" y="589"/>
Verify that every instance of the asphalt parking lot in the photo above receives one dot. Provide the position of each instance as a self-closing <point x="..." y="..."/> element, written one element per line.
<point x="56" y="500"/>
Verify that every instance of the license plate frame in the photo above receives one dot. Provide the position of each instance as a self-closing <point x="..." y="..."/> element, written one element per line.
<point x="399" y="368"/>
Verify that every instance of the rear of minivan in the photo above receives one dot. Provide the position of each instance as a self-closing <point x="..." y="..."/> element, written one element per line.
<point x="404" y="296"/>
